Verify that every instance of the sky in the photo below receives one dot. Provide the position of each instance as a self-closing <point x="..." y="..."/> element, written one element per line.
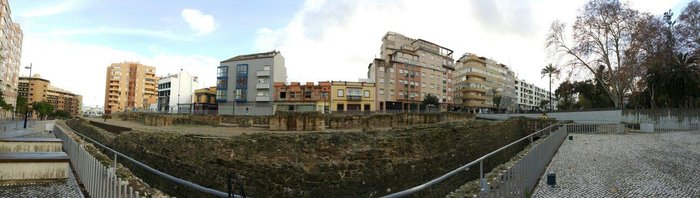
<point x="71" y="42"/>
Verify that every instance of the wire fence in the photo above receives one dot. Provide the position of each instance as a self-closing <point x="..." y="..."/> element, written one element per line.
<point x="517" y="180"/>
<point x="98" y="180"/>
<point x="595" y="128"/>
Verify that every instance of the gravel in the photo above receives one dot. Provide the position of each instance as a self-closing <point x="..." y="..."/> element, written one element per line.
<point x="626" y="165"/>
<point x="69" y="188"/>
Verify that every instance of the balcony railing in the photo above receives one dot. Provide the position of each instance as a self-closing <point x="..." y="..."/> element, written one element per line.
<point x="354" y="97"/>
<point x="262" y="86"/>
<point x="262" y="98"/>
<point x="263" y="73"/>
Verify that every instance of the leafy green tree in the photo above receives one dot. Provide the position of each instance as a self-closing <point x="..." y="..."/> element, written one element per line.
<point x="21" y="105"/>
<point x="549" y="70"/>
<point x="565" y="93"/>
<point x="61" y="114"/>
<point x="543" y="104"/>
<point x="43" y="109"/>
<point x="431" y="99"/>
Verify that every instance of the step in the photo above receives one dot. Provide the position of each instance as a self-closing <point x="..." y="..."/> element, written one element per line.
<point x="31" y="145"/>
<point x="18" y="168"/>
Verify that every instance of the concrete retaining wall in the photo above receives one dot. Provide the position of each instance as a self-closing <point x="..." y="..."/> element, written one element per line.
<point x="664" y="118"/>
<point x="609" y="116"/>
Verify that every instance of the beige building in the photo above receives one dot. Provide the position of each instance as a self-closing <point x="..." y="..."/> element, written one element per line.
<point x="478" y="80"/>
<point x="130" y="86"/>
<point x="37" y="89"/>
<point x="11" y="51"/>
<point x="352" y="96"/>
<point x="408" y="70"/>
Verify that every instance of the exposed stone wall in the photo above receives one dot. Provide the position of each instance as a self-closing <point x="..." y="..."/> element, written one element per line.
<point x="348" y="164"/>
<point x="245" y="121"/>
<point x="306" y="121"/>
<point x="391" y="120"/>
<point x="109" y="127"/>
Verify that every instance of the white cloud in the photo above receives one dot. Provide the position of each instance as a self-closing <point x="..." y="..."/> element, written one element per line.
<point x="198" y="21"/>
<point x="336" y="40"/>
<point x="81" y="68"/>
<point x="115" y="31"/>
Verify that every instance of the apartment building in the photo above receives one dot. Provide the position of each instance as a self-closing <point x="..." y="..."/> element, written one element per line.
<point x="176" y="92"/>
<point x="244" y="83"/>
<point x="297" y="97"/>
<point x="478" y="80"/>
<point x="130" y="86"/>
<point x="529" y="97"/>
<point x="205" y="100"/>
<point x="353" y="96"/>
<point x="11" y="51"/>
<point x="37" y="89"/>
<point x="408" y="70"/>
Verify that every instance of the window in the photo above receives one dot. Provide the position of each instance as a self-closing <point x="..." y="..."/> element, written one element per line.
<point x="283" y="94"/>
<point x="307" y="94"/>
<point x="262" y="80"/>
<point x="220" y="83"/>
<point x="400" y="71"/>
<point x="391" y="81"/>
<point x="354" y="92"/>
<point x="391" y="70"/>
<point x="240" y="94"/>
<point x="366" y="93"/>
<point x="432" y="76"/>
<point x="292" y="94"/>
<point x="263" y="93"/>
<point x="222" y="71"/>
<point x="221" y="95"/>
<point x="341" y="93"/>
<point x="381" y="91"/>
<point x="423" y="74"/>
<point x="381" y="80"/>
<point x="381" y="69"/>
<point x="266" y="68"/>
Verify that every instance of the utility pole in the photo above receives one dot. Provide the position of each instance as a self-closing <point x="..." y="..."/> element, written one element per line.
<point x="26" y="113"/>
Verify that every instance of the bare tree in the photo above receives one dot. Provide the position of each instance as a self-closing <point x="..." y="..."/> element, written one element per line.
<point x="689" y="28"/>
<point x="602" y="36"/>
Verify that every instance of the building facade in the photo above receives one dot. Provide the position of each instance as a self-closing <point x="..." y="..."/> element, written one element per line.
<point x="10" y="51"/>
<point x="353" y="96"/>
<point x="130" y="86"/>
<point x="37" y="89"/>
<point x="176" y="92"/>
<point x="408" y="70"/>
<point x="244" y="83"/>
<point x="296" y="97"/>
<point x="205" y="101"/>
<point x="90" y="111"/>
<point x="529" y="97"/>
<point x="478" y="80"/>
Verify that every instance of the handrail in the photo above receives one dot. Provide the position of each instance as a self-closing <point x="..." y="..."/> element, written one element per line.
<point x="157" y="172"/>
<point x="465" y="167"/>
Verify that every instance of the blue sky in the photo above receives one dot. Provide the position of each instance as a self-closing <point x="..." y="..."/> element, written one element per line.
<point x="71" y="42"/>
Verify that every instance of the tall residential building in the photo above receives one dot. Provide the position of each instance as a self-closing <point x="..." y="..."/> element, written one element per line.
<point x="353" y="96"/>
<point x="10" y="52"/>
<point x="478" y="80"/>
<point x="529" y="96"/>
<point x="176" y="92"/>
<point x="296" y="97"/>
<point x="408" y="70"/>
<point x="244" y="83"/>
<point x="130" y="86"/>
<point x="37" y="89"/>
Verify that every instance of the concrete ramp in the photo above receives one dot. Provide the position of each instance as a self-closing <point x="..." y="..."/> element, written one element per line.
<point x="17" y="168"/>
<point x="30" y="145"/>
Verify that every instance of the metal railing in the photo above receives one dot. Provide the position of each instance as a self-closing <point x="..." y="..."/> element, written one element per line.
<point x="595" y="128"/>
<point x="98" y="180"/>
<point x="147" y="168"/>
<point x="518" y="179"/>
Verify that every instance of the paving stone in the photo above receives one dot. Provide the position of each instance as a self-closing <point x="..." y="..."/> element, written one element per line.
<point x="69" y="188"/>
<point x="626" y="165"/>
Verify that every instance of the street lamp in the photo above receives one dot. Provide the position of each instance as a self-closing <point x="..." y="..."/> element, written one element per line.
<point x="26" y="113"/>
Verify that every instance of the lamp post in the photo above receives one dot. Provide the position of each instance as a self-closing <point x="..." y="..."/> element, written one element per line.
<point x="26" y="113"/>
<point x="179" y="82"/>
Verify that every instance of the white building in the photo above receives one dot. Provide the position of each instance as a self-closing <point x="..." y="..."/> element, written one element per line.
<point x="176" y="90"/>
<point x="90" y="111"/>
<point x="529" y="96"/>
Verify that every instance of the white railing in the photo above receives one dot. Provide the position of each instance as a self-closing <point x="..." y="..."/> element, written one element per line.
<point x="99" y="181"/>
<point x="519" y="179"/>
<point x="595" y="128"/>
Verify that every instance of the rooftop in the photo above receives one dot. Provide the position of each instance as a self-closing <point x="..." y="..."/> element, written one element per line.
<point x="269" y="54"/>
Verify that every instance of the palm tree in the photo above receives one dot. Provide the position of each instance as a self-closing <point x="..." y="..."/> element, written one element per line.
<point x="548" y="71"/>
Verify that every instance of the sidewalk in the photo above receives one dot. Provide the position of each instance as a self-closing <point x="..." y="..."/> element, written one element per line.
<point x="14" y="128"/>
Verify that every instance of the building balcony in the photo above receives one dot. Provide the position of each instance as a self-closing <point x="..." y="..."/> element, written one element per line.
<point x="480" y="97"/>
<point x="354" y="97"/>
<point x="262" y="98"/>
<point x="473" y="89"/>
<point x="262" y="86"/>
<point x="476" y="74"/>
<point x="263" y="73"/>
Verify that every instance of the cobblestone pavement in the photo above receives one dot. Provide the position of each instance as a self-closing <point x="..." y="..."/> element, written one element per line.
<point x="626" y="165"/>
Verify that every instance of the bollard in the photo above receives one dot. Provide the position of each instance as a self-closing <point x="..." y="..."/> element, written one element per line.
<point x="571" y="137"/>
<point x="551" y="179"/>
